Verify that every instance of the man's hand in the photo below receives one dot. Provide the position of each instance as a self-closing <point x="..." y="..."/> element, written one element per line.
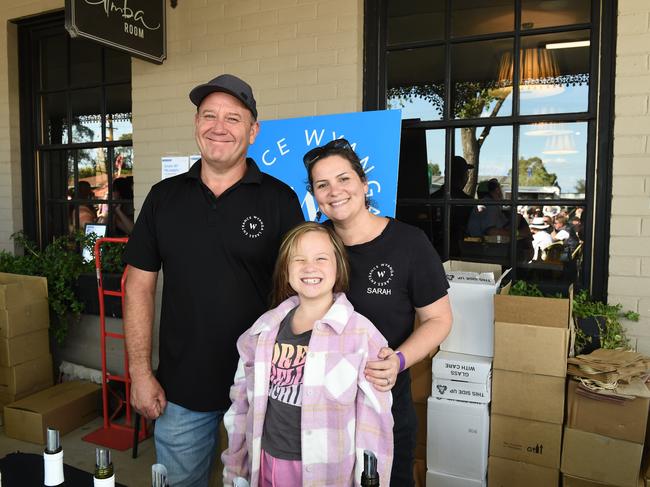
<point x="147" y="396"/>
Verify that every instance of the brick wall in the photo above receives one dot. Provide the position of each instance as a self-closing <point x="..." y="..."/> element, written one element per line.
<point x="629" y="265"/>
<point x="301" y="57"/>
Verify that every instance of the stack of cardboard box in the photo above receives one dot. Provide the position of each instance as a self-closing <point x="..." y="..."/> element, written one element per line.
<point x="531" y="343"/>
<point x="25" y="360"/>
<point x="603" y="440"/>
<point x="458" y="421"/>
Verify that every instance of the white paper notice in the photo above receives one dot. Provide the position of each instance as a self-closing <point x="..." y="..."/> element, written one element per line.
<point x="194" y="158"/>
<point x="172" y="166"/>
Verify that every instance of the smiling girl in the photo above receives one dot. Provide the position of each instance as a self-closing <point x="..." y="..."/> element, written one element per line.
<point x="302" y="410"/>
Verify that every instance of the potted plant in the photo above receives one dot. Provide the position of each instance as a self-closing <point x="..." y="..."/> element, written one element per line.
<point x="61" y="264"/>
<point x="112" y="269"/>
<point x="598" y="325"/>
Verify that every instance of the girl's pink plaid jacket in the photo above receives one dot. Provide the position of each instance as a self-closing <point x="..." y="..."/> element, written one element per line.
<point x="342" y="413"/>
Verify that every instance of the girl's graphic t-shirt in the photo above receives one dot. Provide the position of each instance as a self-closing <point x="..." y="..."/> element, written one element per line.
<point x="281" y="436"/>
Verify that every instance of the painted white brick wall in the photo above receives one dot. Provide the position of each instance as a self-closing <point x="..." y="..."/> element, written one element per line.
<point x="629" y="265"/>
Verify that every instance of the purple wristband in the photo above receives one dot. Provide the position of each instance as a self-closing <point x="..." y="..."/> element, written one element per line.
<point x="402" y="360"/>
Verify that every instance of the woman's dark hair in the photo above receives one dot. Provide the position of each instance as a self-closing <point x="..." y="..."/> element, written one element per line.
<point x="337" y="147"/>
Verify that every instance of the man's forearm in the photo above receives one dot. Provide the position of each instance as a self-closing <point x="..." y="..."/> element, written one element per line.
<point x="138" y="320"/>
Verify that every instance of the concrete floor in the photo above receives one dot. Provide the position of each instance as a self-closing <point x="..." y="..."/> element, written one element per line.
<point x="81" y="454"/>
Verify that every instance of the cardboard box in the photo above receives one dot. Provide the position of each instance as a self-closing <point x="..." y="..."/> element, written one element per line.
<point x="441" y="479"/>
<point x="457" y="435"/>
<point x="421" y="432"/>
<point x="525" y="440"/>
<point x="532" y="334"/>
<point x="472" y="306"/>
<point x="24" y="348"/>
<point x="528" y="396"/>
<point x="419" y="472"/>
<point x="28" y="377"/>
<point x="421" y="380"/>
<point x="64" y="406"/>
<point x="457" y="390"/>
<point x="460" y="366"/>
<point x="568" y="481"/>
<point x="23" y="304"/>
<point x="624" y="420"/>
<point x="509" y="473"/>
<point x="596" y="457"/>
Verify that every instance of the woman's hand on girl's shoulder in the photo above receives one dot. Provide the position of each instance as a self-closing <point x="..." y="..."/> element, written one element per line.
<point x="382" y="373"/>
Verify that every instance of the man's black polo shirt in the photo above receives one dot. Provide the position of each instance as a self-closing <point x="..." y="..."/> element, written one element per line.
<point x="217" y="256"/>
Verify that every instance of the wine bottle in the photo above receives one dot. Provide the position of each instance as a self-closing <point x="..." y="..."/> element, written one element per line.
<point x="53" y="460"/>
<point x="104" y="475"/>
<point x="369" y="477"/>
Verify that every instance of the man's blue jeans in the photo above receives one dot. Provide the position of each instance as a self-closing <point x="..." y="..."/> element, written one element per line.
<point x="186" y="443"/>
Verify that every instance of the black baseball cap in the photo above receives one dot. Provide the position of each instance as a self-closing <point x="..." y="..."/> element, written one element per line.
<point x="226" y="83"/>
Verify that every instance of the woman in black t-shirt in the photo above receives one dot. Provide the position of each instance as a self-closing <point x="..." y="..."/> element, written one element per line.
<point x="396" y="274"/>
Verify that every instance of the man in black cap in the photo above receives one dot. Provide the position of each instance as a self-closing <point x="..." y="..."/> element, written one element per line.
<point x="215" y="231"/>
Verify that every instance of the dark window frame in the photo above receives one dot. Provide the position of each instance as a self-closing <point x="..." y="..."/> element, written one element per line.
<point x="36" y="225"/>
<point x="599" y="118"/>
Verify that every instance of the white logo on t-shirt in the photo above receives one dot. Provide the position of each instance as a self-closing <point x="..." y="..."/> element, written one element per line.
<point x="381" y="274"/>
<point x="252" y="226"/>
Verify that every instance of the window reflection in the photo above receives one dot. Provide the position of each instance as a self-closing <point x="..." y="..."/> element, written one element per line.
<point x="55" y="123"/>
<point x="416" y="20"/>
<point x="478" y="90"/>
<point x="430" y="219"/>
<point x="553" y="160"/>
<point x="536" y="14"/>
<point x="471" y="17"/>
<point x="557" y="244"/>
<point x="119" y="124"/>
<point x="416" y="83"/>
<point x="53" y="61"/>
<point x="86" y="115"/>
<point x="488" y="150"/>
<point x="554" y="73"/>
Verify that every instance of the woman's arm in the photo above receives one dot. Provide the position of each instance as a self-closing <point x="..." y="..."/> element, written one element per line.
<point x="435" y="324"/>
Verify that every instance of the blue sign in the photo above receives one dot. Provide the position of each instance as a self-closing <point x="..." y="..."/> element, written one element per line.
<point x="375" y="136"/>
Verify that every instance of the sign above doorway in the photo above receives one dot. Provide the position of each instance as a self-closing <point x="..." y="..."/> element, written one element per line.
<point x="133" y="26"/>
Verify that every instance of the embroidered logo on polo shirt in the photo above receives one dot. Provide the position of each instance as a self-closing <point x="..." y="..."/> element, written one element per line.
<point x="252" y="226"/>
<point x="380" y="276"/>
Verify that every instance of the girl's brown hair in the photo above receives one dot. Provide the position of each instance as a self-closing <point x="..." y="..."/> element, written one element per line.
<point x="281" y="287"/>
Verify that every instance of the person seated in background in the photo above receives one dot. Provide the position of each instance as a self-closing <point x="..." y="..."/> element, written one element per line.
<point x="488" y="219"/>
<point x="562" y="232"/>
<point x="122" y="218"/>
<point x="576" y="225"/>
<point x="85" y="213"/>
<point x="541" y="238"/>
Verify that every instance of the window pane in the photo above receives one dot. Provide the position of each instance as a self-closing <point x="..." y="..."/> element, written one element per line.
<point x="416" y="20"/>
<point x="554" y="73"/>
<point x="428" y="218"/>
<point x="553" y="160"/>
<point x="459" y="217"/>
<point x="421" y="166"/>
<point x="54" y="62"/>
<point x="57" y="171"/>
<point x="536" y="14"/>
<point x="86" y="115"/>
<point x="416" y="82"/>
<point x="480" y="88"/>
<point x="118" y="113"/>
<point x="556" y="246"/>
<point x="123" y="162"/>
<point x="91" y="164"/>
<point x="55" y="123"/>
<point x="474" y="17"/>
<point x="85" y="62"/>
<point x="118" y="66"/>
<point x="488" y="152"/>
